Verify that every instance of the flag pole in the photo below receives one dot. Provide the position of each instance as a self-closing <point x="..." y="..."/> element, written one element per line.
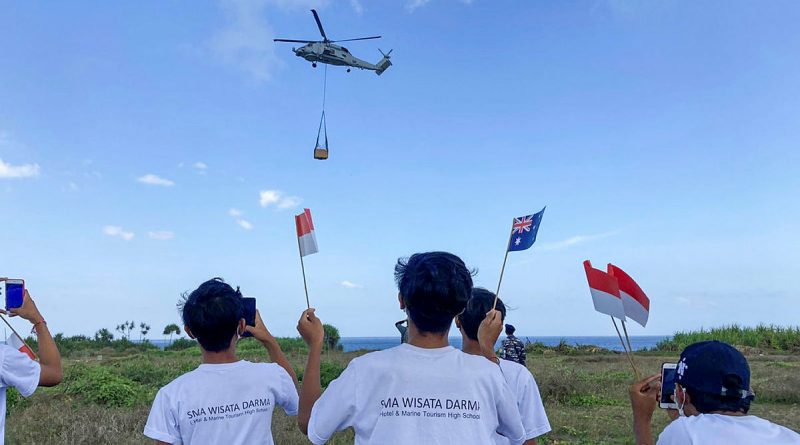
<point x="503" y="269"/>
<point x="630" y="359"/>
<point x="20" y="337"/>
<point x="630" y="349"/>
<point x="303" y="268"/>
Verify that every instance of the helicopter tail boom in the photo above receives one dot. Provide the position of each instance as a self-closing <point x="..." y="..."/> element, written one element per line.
<point x="384" y="63"/>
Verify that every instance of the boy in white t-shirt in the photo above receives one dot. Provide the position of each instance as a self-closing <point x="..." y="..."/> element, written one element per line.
<point x="713" y="396"/>
<point x="18" y="369"/>
<point x="519" y="379"/>
<point x="225" y="400"/>
<point x="422" y="392"/>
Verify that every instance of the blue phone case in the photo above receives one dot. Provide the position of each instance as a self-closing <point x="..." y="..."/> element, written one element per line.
<point x="15" y="293"/>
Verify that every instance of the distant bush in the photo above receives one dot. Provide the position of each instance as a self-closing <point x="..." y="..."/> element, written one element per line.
<point x="83" y="345"/>
<point x="181" y="344"/>
<point x="102" y="386"/>
<point x="328" y="372"/>
<point x="563" y="348"/>
<point x="770" y="337"/>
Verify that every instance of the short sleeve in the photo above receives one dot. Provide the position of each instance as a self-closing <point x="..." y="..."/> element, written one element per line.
<point x="20" y="372"/>
<point x="674" y="434"/>
<point x="161" y="423"/>
<point x="509" y="420"/>
<point x="531" y="408"/>
<point x="286" y="396"/>
<point x="335" y="410"/>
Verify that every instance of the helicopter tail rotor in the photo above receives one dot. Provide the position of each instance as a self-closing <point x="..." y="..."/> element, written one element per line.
<point x="384" y="63"/>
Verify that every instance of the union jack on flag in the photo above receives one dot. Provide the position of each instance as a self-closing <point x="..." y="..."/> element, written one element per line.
<point x="524" y="230"/>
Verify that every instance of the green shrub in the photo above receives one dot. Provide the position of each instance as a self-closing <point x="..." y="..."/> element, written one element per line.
<point x="776" y="338"/>
<point x="328" y="372"/>
<point x="181" y="344"/>
<point x="101" y="386"/>
<point x="331" y="337"/>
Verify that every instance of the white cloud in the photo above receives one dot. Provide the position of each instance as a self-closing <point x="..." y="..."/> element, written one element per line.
<point x="575" y="240"/>
<point x="200" y="165"/>
<point x="161" y="235"/>
<point x="267" y="197"/>
<point x="235" y="212"/>
<point x="246" y="225"/>
<point x="351" y="285"/>
<point x="289" y="202"/>
<point x="358" y="8"/>
<point x="8" y="171"/>
<point x="117" y="231"/>
<point x="412" y="5"/>
<point x="73" y="187"/>
<point x="152" y="179"/>
<point x="279" y="199"/>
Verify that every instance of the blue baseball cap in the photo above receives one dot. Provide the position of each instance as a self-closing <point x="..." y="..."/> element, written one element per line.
<point x="706" y="366"/>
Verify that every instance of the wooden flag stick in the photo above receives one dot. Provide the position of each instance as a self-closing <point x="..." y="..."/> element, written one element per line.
<point x="303" y="268"/>
<point x="17" y="334"/>
<point x="630" y="359"/>
<point x="503" y="269"/>
<point x="630" y="350"/>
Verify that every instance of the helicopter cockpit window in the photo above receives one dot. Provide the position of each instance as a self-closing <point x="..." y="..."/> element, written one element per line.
<point x="345" y="50"/>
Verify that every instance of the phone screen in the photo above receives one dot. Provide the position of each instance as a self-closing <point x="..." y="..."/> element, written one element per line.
<point x="668" y="384"/>
<point x="15" y="292"/>
<point x="249" y="315"/>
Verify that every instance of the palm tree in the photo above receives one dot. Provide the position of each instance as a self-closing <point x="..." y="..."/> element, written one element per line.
<point x="144" y="329"/>
<point x="171" y="329"/>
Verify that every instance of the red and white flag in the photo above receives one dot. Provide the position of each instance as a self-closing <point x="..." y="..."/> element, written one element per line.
<point x="634" y="300"/>
<point x="605" y="292"/>
<point x="15" y="342"/>
<point x="305" y="233"/>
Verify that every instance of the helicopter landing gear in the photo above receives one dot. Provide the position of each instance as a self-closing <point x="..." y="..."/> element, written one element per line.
<point x="313" y="65"/>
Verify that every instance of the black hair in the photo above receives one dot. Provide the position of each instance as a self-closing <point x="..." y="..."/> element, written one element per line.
<point x="435" y="287"/>
<point x="510" y="329"/>
<point x="477" y="307"/>
<point x="212" y="312"/>
<point x="708" y="403"/>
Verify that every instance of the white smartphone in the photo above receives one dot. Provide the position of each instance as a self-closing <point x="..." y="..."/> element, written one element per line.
<point x="669" y="377"/>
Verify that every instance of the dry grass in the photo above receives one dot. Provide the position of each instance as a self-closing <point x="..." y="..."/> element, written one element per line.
<point x="585" y="397"/>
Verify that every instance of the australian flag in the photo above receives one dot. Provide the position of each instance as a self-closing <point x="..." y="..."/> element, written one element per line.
<point x="523" y="232"/>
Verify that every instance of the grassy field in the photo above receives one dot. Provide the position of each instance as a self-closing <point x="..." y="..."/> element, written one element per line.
<point x="106" y="394"/>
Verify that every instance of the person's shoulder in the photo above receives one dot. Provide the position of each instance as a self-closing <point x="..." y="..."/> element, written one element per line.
<point x="180" y="382"/>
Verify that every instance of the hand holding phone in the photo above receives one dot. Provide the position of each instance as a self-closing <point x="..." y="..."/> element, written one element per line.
<point x="249" y="314"/>
<point x="669" y="377"/>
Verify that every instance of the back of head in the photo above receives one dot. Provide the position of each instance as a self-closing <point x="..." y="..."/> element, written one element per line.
<point x="477" y="307"/>
<point x="212" y="313"/>
<point x="510" y="329"/>
<point x="435" y="287"/>
<point x="716" y="376"/>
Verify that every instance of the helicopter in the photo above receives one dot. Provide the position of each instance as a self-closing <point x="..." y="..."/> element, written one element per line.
<point x="325" y="51"/>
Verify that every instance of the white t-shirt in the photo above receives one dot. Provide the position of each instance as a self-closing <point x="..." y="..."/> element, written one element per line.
<point x="410" y="395"/>
<point x="17" y="370"/>
<point x="229" y="404"/>
<point x="529" y="401"/>
<point x="728" y="430"/>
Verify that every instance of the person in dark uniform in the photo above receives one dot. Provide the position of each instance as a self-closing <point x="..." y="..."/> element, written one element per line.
<point x="513" y="348"/>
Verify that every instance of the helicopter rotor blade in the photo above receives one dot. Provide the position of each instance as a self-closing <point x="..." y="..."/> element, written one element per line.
<point x="295" y="41"/>
<point x="360" y="38"/>
<point x="319" y="24"/>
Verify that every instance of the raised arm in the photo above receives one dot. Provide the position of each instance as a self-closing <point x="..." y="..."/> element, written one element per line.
<point x="262" y="334"/>
<point x="488" y="333"/>
<point x="49" y="358"/>
<point x="310" y="328"/>
<point x="644" y="397"/>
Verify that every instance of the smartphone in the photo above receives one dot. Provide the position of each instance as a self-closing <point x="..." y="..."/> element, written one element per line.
<point x="249" y="304"/>
<point x="669" y="377"/>
<point x="13" y="292"/>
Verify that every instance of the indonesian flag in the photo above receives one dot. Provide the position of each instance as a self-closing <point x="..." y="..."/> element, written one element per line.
<point x="605" y="292"/>
<point x="635" y="302"/>
<point x="15" y="342"/>
<point x="305" y="233"/>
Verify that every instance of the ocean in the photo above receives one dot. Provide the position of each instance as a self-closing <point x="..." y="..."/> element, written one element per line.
<point x="378" y="343"/>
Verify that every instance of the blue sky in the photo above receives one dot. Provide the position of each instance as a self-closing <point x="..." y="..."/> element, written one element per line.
<point x="138" y="139"/>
